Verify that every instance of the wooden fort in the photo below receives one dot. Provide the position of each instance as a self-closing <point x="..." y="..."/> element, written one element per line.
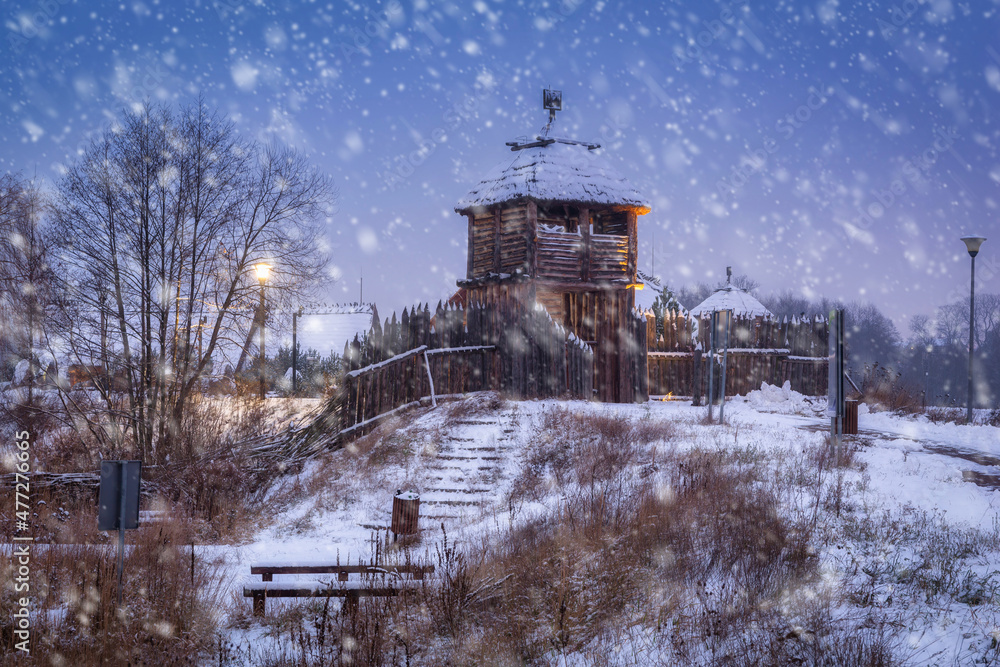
<point x="555" y="225"/>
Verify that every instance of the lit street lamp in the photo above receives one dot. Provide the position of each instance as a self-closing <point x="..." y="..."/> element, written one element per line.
<point x="972" y="243"/>
<point x="263" y="270"/>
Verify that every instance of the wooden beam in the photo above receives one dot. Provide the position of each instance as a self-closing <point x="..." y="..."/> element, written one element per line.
<point x="497" y="233"/>
<point x="472" y="244"/>
<point x="633" y="245"/>
<point x="584" y="225"/>
<point x="578" y="286"/>
<point x="531" y="235"/>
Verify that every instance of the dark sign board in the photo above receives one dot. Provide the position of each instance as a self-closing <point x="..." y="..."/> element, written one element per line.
<point x="552" y="99"/>
<point x="119" y="495"/>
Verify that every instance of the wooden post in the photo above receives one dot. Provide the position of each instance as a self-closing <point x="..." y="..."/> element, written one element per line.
<point x="497" y="231"/>
<point x="585" y="243"/>
<point x="258" y="603"/>
<point x="633" y="245"/>
<point x="531" y="236"/>
<point x="472" y="244"/>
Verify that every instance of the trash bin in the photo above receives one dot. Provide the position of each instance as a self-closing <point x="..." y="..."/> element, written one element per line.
<point x="850" y="417"/>
<point x="405" y="513"/>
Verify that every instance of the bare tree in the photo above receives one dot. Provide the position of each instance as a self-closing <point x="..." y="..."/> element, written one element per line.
<point x="26" y="285"/>
<point x="871" y="337"/>
<point x="952" y="324"/>
<point x="160" y="224"/>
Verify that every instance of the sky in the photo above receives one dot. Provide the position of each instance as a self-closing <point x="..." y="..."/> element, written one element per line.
<point x="833" y="149"/>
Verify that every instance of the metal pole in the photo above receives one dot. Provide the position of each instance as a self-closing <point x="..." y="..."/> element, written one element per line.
<point x="121" y="529"/>
<point x="972" y="330"/>
<point x="725" y="353"/>
<point x="295" y="350"/>
<point x="711" y="364"/>
<point x="262" y="356"/>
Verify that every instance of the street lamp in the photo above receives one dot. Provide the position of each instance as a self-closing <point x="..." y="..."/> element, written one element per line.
<point x="972" y="243"/>
<point x="263" y="271"/>
<point x="295" y="349"/>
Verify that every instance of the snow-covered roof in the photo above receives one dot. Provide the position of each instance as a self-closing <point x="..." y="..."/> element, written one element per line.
<point x="327" y="329"/>
<point x="731" y="298"/>
<point x="555" y="172"/>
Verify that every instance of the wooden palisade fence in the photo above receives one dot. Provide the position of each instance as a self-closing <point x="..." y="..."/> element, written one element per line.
<point x="761" y="349"/>
<point x="503" y="346"/>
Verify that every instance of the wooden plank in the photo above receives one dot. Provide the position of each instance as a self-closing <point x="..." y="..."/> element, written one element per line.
<point x="497" y="239"/>
<point x="472" y="245"/>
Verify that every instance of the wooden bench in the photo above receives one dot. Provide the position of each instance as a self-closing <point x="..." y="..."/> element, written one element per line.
<point x="343" y="586"/>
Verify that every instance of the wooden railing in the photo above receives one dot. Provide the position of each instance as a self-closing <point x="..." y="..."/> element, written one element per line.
<point x="561" y="256"/>
<point x="400" y="382"/>
<point x="608" y="257"/>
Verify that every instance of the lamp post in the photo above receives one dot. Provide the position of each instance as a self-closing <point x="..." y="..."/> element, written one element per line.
<point x="972" y="243"/>
<point x="263" y="270"/>
<point x="295" y="349"/>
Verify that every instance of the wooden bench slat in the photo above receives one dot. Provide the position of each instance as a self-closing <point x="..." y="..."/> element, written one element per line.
<point x="351" y="590"/>
<point x="322" y="585"/>
<point x="326" y="568"/>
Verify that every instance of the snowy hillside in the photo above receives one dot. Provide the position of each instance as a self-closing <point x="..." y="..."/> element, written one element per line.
<point x="658" y="538"/>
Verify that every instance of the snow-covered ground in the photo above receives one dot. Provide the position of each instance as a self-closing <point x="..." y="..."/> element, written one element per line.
<point x="917" y="538"/>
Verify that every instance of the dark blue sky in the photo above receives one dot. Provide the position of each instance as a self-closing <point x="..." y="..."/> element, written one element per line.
<point x="836" y="149"/>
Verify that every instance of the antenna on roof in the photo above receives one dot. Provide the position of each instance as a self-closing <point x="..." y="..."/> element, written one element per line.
<point x="361" y="291"/>
<point x="551" y="100"/>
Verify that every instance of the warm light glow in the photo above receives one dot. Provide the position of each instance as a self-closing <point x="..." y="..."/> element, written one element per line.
<point x="635" y="286"/>
<point x="263" y="271"/>
<point x="972" y="243"/>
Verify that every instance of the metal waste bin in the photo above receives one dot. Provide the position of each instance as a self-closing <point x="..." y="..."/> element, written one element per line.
<point x="405" y="513"/>
<point x="851" y="417"/>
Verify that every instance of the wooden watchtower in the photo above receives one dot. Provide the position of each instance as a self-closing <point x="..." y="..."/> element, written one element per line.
<point x="554" y="224"/>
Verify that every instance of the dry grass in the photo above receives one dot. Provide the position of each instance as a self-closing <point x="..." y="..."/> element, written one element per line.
<point x="679" y="557"/>
<point x="171" y="602"/>
<point x="168" y="615"/>
<point x="884" y="389"/>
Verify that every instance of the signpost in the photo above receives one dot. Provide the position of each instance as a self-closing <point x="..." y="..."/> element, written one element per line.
<point x="119" y="504"/>
<point x="713" y="327"/>
<point x="718" y="319"/>
<point x="725" y="357"/>
<point x="835" y="379"/>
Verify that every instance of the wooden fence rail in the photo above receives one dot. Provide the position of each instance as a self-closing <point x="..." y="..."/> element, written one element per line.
<point x="503" y="346"/>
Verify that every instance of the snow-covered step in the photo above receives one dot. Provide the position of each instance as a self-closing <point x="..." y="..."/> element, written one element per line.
<point x="454" y="503"/>
<point x="470" y="491"/>
<point x="454" y="457"/>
